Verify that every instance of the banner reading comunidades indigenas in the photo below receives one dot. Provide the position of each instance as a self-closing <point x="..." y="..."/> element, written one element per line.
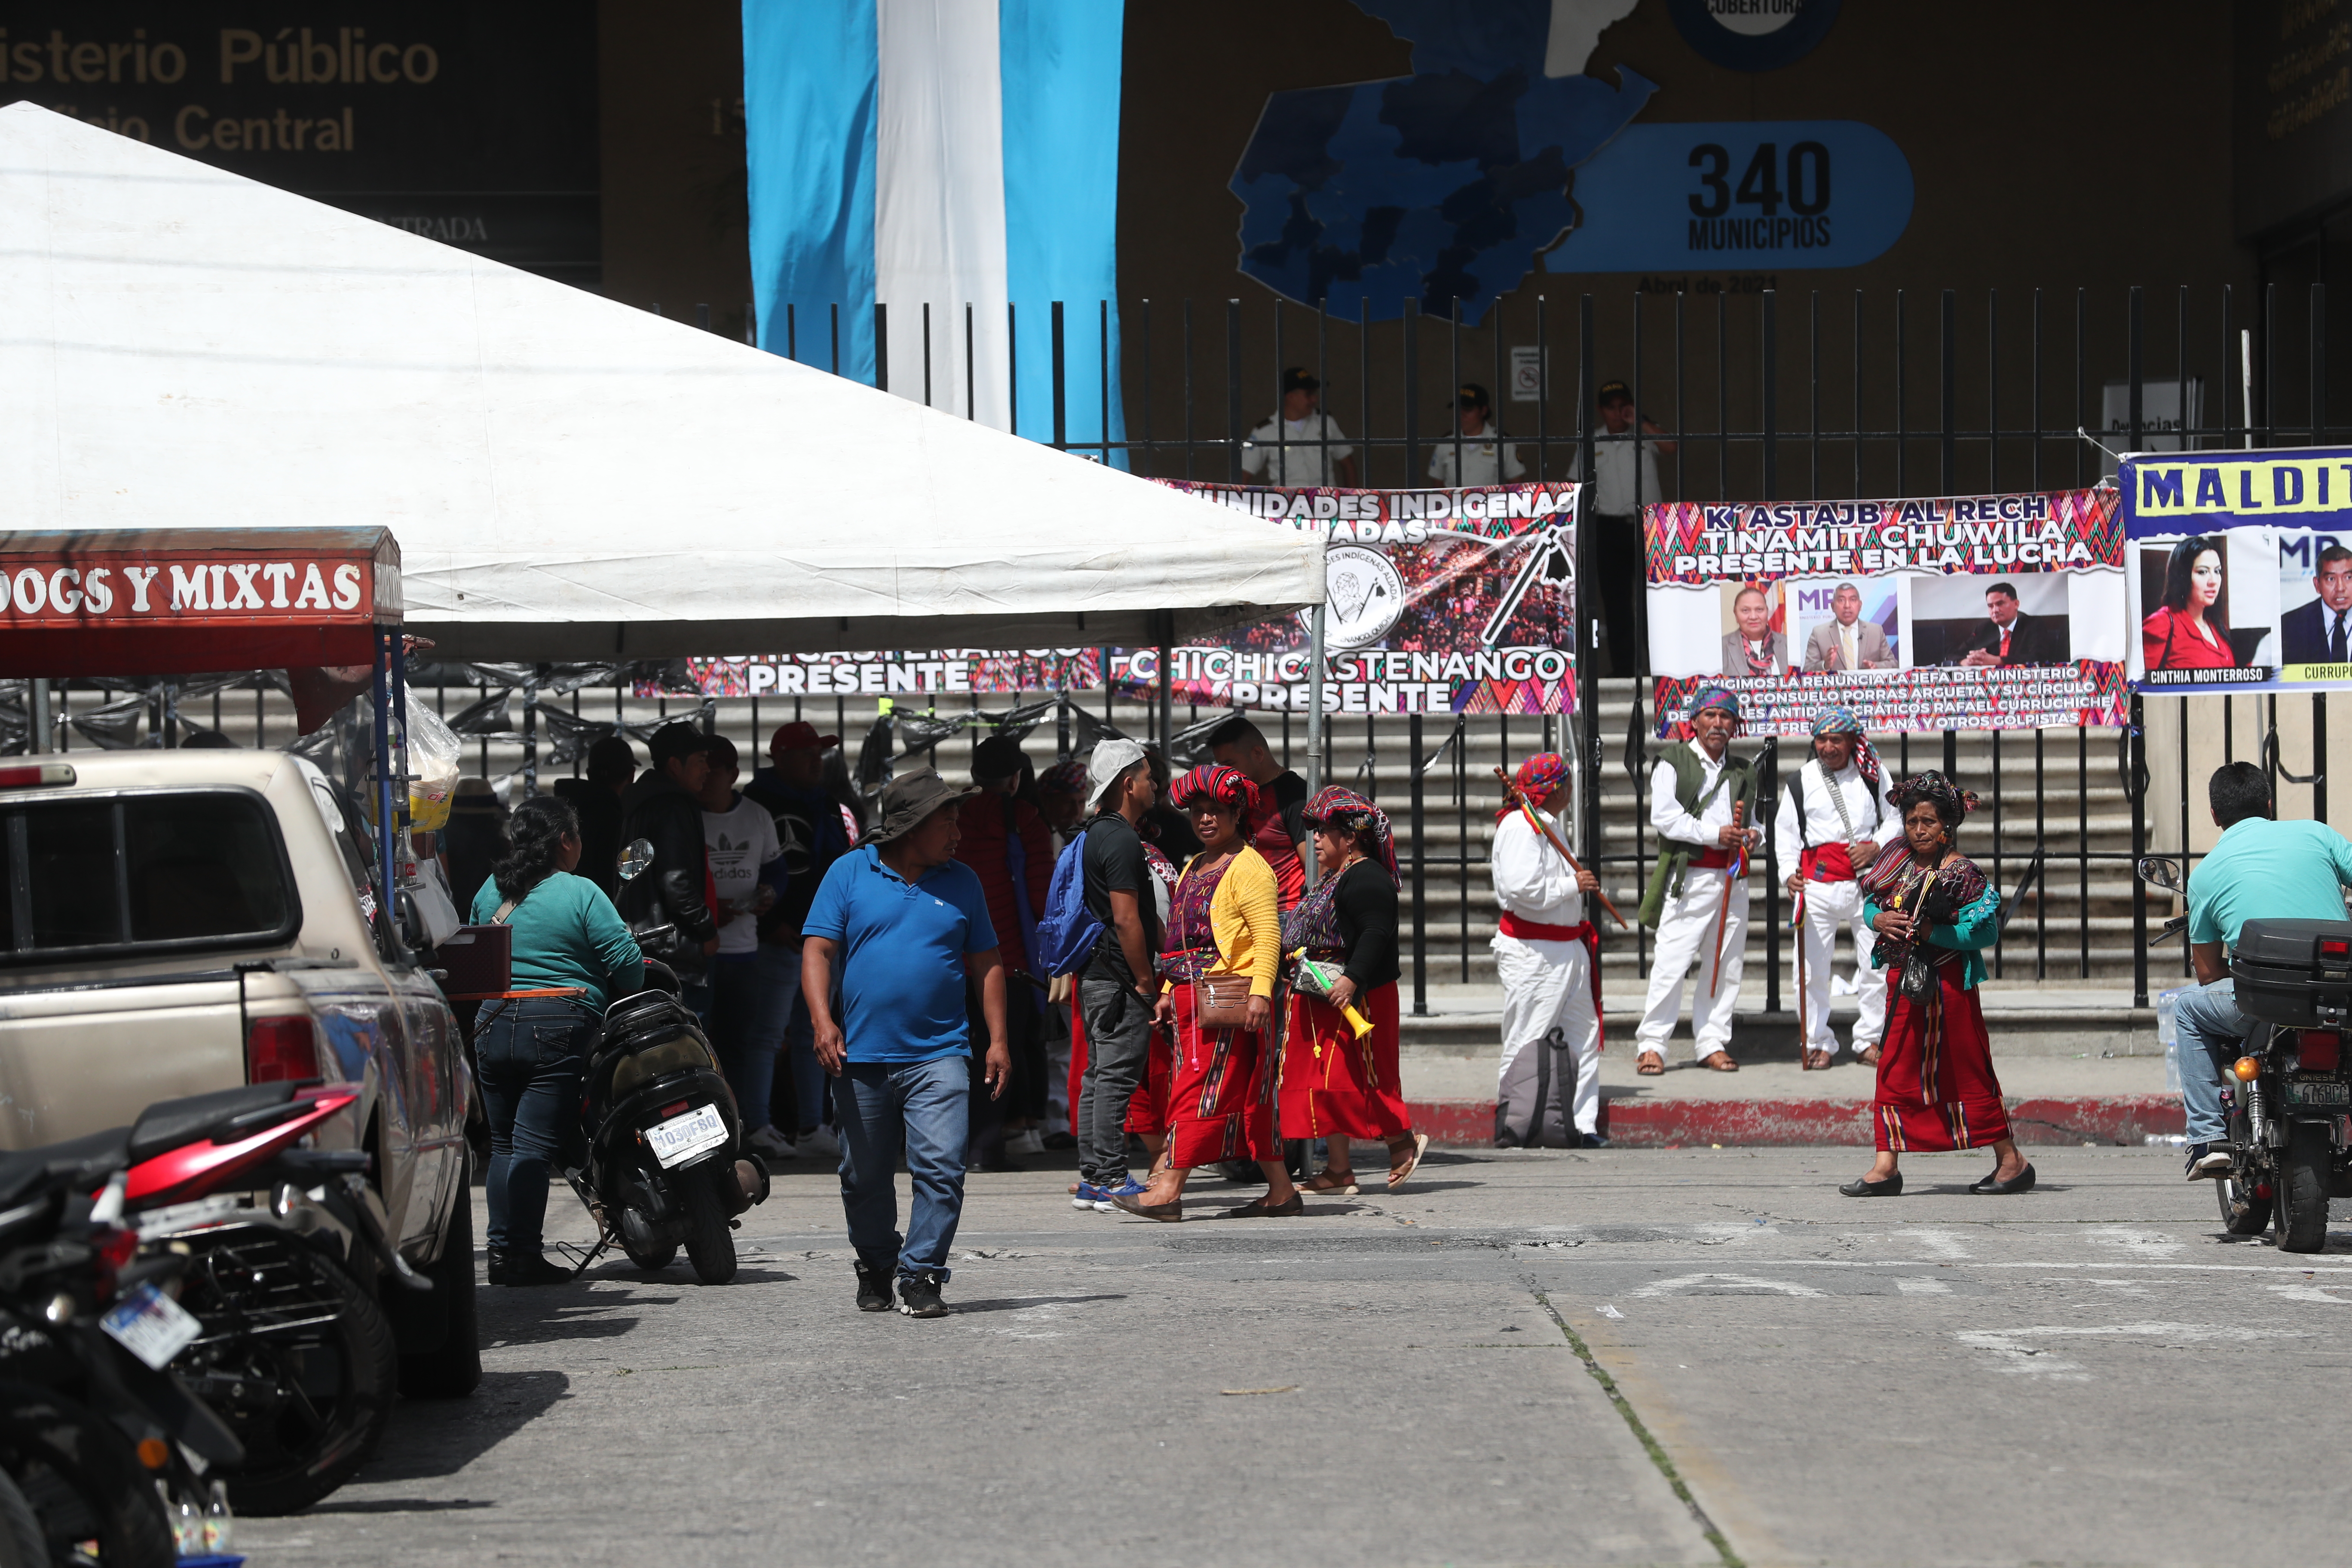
<point x="1440" y="601"/>
<point x="1955" y="612"/>
<point x="2240" y="568"/>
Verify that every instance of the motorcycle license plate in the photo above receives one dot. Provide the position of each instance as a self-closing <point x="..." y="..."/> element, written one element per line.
<point x="683" y="1137"/>
<point x="2320" y="1093"/>
<point x="150" y="1326"/>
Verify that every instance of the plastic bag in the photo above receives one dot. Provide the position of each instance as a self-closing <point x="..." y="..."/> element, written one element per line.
<point x="434" y="756"/>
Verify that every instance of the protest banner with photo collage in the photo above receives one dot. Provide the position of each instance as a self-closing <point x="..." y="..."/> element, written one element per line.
<point x="1953" y="613"/>
<point x="926" y="673"/>
<point x="2240" y="569"/>
<point x="1440" y="602"/>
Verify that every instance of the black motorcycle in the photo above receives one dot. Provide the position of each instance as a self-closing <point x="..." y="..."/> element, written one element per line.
<point x="662" y="1162"/>
<point x="2286" y="1103"/>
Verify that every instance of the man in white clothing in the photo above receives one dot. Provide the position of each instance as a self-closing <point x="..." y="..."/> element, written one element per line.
<point x="1701" y="799"/>
<point x="1545" y="955"/>
<point x="1486" y="457"/>
<point x="1832" y="822"/>
<point x="1301" y="447"/>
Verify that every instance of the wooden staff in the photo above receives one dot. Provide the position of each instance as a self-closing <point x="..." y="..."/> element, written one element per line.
<point x="1723" y="910"/>
<point x="1527" y="808"/>
<point x="1804" y="1023"/>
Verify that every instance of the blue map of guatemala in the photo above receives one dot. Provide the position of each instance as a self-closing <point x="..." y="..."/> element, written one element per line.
<point x="1439" y="187"/>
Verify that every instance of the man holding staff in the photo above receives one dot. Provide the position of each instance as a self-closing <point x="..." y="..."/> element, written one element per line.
<point x="1831" y="824"/>
<point x="1548" y="957"/>
<point x="1700" y="800"/>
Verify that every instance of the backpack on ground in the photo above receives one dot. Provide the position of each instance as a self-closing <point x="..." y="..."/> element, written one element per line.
<point x="1066" y="929"/>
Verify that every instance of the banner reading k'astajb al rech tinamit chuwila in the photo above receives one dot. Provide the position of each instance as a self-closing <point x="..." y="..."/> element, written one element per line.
<point x="1439" y="601"/>
<point x="2240" y="568"/>
<point x="1956" y="613"/>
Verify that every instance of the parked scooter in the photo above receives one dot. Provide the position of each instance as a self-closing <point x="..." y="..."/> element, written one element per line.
<point x="2287" y="1101"/>
<point x="663" y="1162"/>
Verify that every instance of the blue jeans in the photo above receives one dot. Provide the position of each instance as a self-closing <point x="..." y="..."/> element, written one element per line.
<point x="746" y="1029"/>
<point x="921" y="1109"/>
<point x="532" y="1054"/>
<point x="2212" y="1036"/>
<point x="811" y="1105"/>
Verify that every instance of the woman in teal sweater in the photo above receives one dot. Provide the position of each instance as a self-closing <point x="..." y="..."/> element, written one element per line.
<point x="530" y="1052"/>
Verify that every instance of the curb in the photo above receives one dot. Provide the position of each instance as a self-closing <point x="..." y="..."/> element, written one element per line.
<point x="2127" y="1120"/>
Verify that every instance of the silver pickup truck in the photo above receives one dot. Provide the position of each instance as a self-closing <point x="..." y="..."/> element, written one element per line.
<point x="173" y="922"/>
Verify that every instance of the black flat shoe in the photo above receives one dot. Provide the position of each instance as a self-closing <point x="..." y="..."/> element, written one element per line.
<point x="2020" y="1182"/>
<point x="1258" y="1208"/>
<point x="1864" y="1187"/>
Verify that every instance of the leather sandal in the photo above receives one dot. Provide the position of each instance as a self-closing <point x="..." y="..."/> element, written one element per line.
<point x="1411" y="1154"/>
<point x="1323" y="1184"/>
<point x="1650" y="1064"/>
<point x="1719" y="1061"/>
<point x="1818" y="1062"/>
<point x="1870" y="1057"/>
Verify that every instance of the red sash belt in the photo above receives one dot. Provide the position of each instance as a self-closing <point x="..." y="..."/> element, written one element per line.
<point x="1716" y="859"/>
<point x="1583" y="932"/>
<point x="1827" y="863"/>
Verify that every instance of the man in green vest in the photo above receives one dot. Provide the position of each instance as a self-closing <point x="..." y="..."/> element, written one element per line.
<point x="1702" y="802"/>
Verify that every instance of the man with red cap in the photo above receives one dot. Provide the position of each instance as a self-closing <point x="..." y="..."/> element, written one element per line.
<point x="1701" y="800"/>
<point x="1546" y="956"/>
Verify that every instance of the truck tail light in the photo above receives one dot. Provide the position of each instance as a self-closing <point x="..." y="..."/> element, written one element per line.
<point x="277" y="1049"/>
<point x="2319" y="1050"/>
<point x="2335" y="947"/>
<point x="37" y="774"/>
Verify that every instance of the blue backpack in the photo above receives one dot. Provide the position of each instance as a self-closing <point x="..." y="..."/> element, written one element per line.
<point x="1067" y="931"/>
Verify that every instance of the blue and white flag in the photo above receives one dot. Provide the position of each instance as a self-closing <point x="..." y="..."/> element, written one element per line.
<point x="948" y="157"/>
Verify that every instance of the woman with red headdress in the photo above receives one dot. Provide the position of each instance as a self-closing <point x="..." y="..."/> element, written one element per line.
<point x="1223" y="922"/>
<point x="1338" y="1082"/>
<point x="1935" y="914"/>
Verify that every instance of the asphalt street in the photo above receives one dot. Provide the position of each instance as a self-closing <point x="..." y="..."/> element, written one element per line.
<point x="1685" y="1356"/>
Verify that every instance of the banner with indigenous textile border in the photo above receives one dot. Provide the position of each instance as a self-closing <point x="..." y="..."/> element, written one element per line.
<point x="1460" y="601"/>
<point x="1953" y="613"/>
<point x="2240" y="569"/>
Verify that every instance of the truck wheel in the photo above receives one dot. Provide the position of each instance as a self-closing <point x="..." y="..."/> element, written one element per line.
<point x="454" y="1368"/>
<point x="82" y="1481"/>
<point x="709" y="1240"/>
<point x="2302" y="1190"/>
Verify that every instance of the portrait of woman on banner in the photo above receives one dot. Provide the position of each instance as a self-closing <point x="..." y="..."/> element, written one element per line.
<point x="2189" y="629"/>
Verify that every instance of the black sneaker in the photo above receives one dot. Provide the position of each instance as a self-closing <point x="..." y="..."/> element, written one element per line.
<point x="515" y="1268"/>
<point x="2207" y="1163"/>
<point x="919" y="1296"/>
<point x="873" y="1288"/>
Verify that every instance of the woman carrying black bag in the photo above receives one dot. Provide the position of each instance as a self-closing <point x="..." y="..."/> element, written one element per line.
<point x="572" y="954"/>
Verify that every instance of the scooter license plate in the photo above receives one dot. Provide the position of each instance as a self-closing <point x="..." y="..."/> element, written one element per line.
<point x="150" y="1326"/>
<point x="2320" y="1093"/>
<point x="683" y="1137"/>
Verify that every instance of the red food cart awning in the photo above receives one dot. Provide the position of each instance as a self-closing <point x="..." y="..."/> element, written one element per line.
<point x="182" y="601"/>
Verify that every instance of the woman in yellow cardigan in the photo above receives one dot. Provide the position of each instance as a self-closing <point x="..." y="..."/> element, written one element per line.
<point x="1225" y="919"/>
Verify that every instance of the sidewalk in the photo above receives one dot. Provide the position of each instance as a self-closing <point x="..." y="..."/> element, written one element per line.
<point x="2075" y="1067"/>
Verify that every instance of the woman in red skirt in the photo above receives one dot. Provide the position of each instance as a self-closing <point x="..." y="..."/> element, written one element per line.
<point x="1224" y="922"/>
<point x="1935" y="914"/>
<point x="1337" y="1084"/>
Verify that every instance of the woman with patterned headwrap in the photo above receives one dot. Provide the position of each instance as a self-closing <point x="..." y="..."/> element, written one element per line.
<point x="1833" y="820"/>
<point x="1935" y="914"/>
<point x="1225" y="920"/>
<point x="1337" y="1085"/>
<point x="1548" y="958"/>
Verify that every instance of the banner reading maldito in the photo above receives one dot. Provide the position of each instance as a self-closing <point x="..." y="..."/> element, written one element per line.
<point x="1439" y="601"/>
<point x="2240" y="568"/>
<point x="1953" y="613"/>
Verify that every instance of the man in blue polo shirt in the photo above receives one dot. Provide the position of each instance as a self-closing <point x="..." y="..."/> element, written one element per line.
<point x="2258" y="869"/>
<point x="906" y="926"/>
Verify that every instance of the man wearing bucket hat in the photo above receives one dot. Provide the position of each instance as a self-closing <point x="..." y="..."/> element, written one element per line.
<point x="904" y="923"/>
<point x="1701" y="797"/>
<point x="1831" y="824"/>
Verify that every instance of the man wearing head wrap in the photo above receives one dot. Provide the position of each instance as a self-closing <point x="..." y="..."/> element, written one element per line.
<point x="1701" y="799"/>
<point x="1831" y="824"/>
<point x="1546" y="956"/>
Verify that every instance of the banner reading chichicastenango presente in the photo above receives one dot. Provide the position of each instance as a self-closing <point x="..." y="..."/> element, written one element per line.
<point x="2240" y="568"/>
<point x="900" y="673"/>
<point x="1956" y="613"/>
<point x="1439" y="601"/>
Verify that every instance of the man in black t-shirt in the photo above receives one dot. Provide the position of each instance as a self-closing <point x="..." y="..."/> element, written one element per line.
<point x="1278" y="832"/>
<point x="1117" y="986"/>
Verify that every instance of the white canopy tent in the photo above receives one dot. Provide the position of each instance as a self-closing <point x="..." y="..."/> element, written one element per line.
<point x="569" y="477"/>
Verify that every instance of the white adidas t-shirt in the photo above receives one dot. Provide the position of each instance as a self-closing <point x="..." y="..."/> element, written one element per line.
<point x="740" y="840"/>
